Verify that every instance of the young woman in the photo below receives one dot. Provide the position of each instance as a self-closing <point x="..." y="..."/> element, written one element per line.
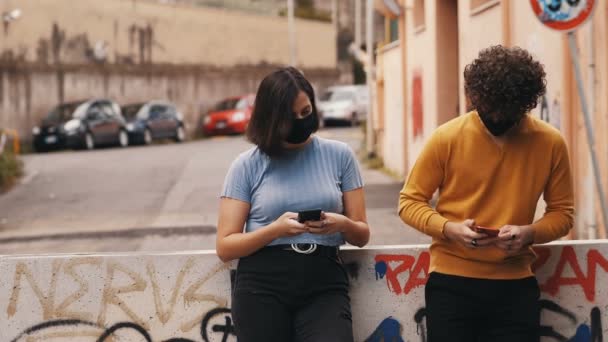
<point x="290" y="283"/>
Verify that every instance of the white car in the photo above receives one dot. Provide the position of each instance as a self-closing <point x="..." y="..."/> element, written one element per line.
<point x="344" y="104"/>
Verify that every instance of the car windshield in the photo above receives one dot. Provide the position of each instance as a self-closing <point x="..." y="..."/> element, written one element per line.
<point x="130" y="111"/>
<point x="63" y="113"/>
<point x="81" y="111"/>
<point x="236" y="103"/>
<point x="337" y="95"/>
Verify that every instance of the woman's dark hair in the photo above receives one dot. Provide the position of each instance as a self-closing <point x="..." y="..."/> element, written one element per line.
<point x="505" y="82"/>
<point x="273" y="115"/>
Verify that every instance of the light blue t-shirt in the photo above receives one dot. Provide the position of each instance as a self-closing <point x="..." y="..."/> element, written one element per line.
<point x="313" y="177"/>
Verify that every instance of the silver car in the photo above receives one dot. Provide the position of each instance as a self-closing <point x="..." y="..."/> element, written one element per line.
<point x="347" y="104"/>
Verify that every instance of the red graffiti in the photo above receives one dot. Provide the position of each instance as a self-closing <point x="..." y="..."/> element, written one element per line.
<point x="418" y="271"/>
<point x="587" y="283"/>
<point x="417" y="105"/>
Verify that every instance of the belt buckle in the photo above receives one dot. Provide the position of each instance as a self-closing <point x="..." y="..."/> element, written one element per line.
<point x="309" y="250"/>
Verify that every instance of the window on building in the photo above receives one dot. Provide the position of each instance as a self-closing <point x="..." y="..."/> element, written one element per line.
<point x="419" y="15"/>
<point x="481" y="5"/>
<point x="391" y="29"/>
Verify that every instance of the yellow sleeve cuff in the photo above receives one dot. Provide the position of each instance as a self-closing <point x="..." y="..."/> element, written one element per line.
<point x="435" y="226"/>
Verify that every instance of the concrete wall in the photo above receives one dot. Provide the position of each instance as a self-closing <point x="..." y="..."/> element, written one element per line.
<point x="187" y="295"/>
<point x="421" y="79"/>
<point x="393" y="132"/>
<point x="28" y="92"/>
<point x="165" y="33"/>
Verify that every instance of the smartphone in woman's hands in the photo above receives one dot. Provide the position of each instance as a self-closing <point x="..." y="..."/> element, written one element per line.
<point x="309" y="215"/>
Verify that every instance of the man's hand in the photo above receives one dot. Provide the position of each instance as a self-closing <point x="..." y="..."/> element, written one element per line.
<point x="513" y="239"/>
<point x="463" y="234"/>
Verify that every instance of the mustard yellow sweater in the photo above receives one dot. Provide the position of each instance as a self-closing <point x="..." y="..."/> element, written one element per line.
<point x="492" y="184"/>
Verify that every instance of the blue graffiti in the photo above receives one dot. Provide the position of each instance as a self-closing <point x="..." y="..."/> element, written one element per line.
<point x="388" y="331"/>
<point x="583" y="334"/>
<point x="381" y="268"/>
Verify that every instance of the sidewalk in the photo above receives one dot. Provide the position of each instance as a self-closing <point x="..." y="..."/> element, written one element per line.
<point x="382" y="197"/>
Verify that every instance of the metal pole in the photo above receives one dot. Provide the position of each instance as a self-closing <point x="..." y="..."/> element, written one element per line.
<point x="591" y="218"/>
<point x="292" y="32"/>
<point x="358" y="28"/>
<point x="588" y="127"/>
<point x="369" y="44"/>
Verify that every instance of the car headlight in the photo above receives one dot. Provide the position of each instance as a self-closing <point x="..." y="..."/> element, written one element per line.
<point x="36" y="130"/>
<point x="130" y="127"/>
<point x="207" y="120"/>
<point x="72" y="125"/>
<point x="238" y="117"/>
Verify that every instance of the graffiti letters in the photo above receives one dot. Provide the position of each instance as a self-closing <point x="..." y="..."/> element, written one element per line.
<point x="418" y="271"/>
<point x="118" y="295"/>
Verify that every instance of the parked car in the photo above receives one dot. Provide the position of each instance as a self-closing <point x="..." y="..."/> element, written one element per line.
<point x="229" y="116"/>
<point x="344" y="104"/>
<point x="82" y="124"/>
<point x="152" y="121"/>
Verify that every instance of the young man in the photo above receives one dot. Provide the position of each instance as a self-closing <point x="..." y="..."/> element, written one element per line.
<point x="490" y="166"/>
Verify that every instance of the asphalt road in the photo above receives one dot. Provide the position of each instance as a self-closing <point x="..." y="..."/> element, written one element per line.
<point x="154" y="198"/>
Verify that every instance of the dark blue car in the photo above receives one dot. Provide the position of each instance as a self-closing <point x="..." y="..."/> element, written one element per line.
<point x="154" y="120"/>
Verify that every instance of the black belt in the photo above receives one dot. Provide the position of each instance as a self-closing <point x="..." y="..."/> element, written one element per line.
<point x="308" y="248"/>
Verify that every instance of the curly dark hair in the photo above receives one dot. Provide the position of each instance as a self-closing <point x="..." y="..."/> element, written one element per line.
<point x="504" y="82"/>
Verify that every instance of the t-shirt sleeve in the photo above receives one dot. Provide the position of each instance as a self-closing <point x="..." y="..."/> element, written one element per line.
<point x="351" y="173"/>
<point x="237" y="184"/>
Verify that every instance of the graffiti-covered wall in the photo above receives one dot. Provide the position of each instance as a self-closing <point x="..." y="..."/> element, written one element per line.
<point x="186" y="296"/>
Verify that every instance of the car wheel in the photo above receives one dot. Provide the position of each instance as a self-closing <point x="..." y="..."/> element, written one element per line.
<point x="354" y="120"/>
<point x="180" y="134"/>
<point x="123" y="139"/>
<point x="321" y="123"/>
<point x="89" y="142"/>
<point x="147" y="137"/>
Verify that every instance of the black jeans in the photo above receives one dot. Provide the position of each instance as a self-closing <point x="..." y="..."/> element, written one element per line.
<point x="469" y="309"/>
<point x="284" y="296"/>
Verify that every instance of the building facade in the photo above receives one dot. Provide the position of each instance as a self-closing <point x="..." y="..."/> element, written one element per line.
<point x="419" y="81"/>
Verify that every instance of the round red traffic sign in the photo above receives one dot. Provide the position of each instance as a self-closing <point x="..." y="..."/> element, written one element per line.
<point x="563" y="15"/>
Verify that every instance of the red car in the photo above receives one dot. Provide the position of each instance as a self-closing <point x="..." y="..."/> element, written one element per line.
<point x="229" y="116"/>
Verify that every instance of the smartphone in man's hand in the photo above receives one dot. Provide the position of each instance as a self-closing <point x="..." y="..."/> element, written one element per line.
<point x="492" y="232"/>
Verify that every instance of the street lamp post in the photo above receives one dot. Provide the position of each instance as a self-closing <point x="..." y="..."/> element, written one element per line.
<point x="369" y="45"/>
<point x="292" y="32"/>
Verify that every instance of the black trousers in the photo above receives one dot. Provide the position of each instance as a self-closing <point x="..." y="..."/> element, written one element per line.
<point x="482" y="310"/>
<point x="285" y="296"/>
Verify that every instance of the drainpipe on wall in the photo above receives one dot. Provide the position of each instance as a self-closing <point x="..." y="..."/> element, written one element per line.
<point x="591" y="220"/>
<point x="358" y="26"/>
<point x="506" y="22"/>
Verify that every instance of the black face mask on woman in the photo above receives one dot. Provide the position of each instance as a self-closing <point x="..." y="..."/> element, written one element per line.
<point x="500" y="127"/>
<point x="301" y="129"/>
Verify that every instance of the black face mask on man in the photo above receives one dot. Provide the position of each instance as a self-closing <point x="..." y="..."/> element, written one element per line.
<point x="500" y="127"/>
<point x="301" y="129"/>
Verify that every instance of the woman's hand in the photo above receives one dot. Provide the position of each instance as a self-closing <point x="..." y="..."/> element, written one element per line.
<point x="287" y="225"/>
<point x="330" y="224"/>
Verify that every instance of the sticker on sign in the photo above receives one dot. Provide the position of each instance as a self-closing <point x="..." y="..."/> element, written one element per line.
<point x="563" y="15"/>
